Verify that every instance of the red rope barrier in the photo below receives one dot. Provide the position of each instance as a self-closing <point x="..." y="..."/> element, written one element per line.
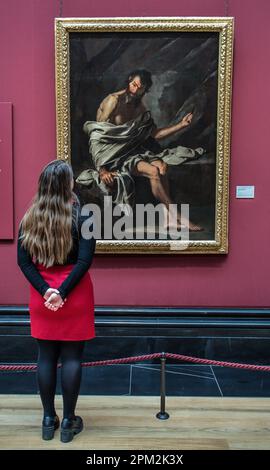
<point x="124" y="360"/>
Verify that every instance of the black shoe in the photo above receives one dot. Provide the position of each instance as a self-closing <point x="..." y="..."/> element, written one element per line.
<point x="49" y="425"/>
<point x="70" y="427"/>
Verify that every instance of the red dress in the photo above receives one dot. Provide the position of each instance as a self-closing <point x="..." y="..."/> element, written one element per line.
<point x="74" y="321"/>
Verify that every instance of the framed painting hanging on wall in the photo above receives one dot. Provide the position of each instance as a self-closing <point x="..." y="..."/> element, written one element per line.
<point x="144" y="116"/>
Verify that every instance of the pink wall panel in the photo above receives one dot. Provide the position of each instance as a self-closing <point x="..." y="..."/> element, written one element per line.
<point x="27" y="80"/>
<point x="6" y="173"/>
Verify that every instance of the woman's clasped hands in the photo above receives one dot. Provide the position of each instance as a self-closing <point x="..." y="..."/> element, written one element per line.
<point x="53" y="299"/>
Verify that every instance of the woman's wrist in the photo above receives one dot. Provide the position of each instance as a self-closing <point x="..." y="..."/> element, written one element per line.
<point x="61" y="294"/>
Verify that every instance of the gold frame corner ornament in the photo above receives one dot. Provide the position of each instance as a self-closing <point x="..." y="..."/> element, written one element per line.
<point x="222" y="25"/>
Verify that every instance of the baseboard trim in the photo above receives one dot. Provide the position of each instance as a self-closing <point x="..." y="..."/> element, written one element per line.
<point x="18" y="315"/>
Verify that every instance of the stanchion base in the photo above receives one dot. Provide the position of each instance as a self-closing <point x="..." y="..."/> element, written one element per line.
<point x="161" y="415"/>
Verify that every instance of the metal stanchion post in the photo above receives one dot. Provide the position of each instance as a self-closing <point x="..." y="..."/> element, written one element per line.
<point x="162" y="414"/>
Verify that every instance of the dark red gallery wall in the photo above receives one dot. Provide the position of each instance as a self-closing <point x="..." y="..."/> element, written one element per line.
<point x="27" y="80"/>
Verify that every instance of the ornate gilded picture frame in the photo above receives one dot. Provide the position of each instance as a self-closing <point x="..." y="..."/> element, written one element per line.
<point x="143" y="109"/>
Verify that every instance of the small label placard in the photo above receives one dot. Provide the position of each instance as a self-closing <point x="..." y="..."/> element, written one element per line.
<point x="245" y="192"/>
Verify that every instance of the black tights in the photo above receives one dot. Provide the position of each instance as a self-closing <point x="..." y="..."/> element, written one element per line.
<point x="71" y="372"/>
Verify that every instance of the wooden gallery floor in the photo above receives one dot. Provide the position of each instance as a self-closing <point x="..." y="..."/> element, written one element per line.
<point x="128" y="422"/>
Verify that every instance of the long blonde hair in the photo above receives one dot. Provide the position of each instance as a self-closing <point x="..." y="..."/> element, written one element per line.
<point x="47" y="224"/>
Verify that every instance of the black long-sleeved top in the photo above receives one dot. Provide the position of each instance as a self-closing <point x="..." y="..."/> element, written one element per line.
<point x="81" y="255"/>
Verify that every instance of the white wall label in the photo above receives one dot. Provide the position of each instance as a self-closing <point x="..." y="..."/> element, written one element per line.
<point x="246" y="192"/>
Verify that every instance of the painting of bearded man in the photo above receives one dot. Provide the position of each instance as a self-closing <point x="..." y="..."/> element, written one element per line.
<point x="143" y="123"/>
